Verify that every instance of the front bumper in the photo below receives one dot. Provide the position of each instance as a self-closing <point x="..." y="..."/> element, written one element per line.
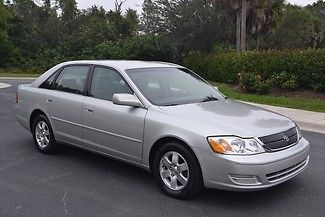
<point x="252" y="172"/>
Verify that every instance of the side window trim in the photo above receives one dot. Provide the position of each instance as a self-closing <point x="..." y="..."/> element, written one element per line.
<point x="89" y="80"/>
<point x="59" y="71"/>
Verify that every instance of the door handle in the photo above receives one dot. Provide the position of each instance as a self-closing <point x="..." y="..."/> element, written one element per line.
<point x="89" y="110"/>
<point x="49" y="100"/>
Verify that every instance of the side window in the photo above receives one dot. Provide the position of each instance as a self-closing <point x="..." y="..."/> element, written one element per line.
<point x="106" y="82"/>
<point x="72" y="79"/>
<point x="47" y="84"/>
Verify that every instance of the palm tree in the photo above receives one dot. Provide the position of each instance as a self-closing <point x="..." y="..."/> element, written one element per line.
<point x="240" y="9"/>
<point x="264" y="16"/>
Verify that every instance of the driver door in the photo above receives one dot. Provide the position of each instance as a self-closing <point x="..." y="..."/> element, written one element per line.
<point x="108" y="128"/>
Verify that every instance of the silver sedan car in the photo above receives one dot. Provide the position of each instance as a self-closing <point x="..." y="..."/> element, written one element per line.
<point x="164" y="118"/>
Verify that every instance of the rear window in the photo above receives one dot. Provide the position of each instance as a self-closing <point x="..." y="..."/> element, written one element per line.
<point x="72" y="79"/>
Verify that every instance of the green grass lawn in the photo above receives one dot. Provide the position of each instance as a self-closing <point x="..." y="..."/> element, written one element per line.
<point x="309" y="104"/>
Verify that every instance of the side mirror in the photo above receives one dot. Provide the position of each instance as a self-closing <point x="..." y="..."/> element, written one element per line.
<point x="126" y="99"/>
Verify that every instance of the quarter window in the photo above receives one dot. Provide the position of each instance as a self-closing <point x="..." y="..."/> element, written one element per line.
<point x="106" y="82"/>
<point x="47" y="84"/>
<point x="72" y="79"/>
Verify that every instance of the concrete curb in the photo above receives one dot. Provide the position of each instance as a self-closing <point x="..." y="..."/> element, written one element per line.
<point x="306" y="120"/>
<point x="4" y="85"/>
<point x="318" y="128"/>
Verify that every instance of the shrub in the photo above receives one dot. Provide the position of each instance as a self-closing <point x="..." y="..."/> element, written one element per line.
<point x="284" y="80"/>
<point x="284" y="69"/>
<point x="197" y="62"/>
<point x="253" y="83"/>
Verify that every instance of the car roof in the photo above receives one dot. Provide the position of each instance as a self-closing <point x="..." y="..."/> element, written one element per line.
<point x="125" y="64"/>
<point x="120" y="65"/>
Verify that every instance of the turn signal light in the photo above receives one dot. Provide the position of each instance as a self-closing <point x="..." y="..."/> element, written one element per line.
<point x="219" y="146"/>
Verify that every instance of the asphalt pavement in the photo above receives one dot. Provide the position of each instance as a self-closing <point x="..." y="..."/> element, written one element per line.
<point x="74" y="182"/>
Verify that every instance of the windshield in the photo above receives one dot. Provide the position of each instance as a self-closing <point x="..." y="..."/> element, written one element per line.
<point x="172" y="86"/>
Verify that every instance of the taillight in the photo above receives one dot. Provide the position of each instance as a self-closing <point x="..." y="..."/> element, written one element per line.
<point x="17" y="97"/>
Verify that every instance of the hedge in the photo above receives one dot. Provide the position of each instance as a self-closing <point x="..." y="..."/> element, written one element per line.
<point x="261" y="71"/>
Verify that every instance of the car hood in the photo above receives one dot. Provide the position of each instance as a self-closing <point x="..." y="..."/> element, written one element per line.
<point x="229" y="117"/>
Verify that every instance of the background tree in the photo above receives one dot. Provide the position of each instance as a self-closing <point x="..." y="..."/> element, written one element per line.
<point x="118" y="5"/>
<point x="151" y="21"/>
<point x="263" y="17"/>
<point x="239" y="8"/>
<point x="132" y="20"/>
<point x="5" y="46"/>
<point x="318" y="11"/>
<point x="295" y="30"/>
<point x="36" y="34"/>
<point x="191" y="25"/>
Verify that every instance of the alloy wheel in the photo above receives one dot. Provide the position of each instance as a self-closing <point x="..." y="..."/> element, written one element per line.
<point x="174" y="170"/>
<point x="42" y="134"/>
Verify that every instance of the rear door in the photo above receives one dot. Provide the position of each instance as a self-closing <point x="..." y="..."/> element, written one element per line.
<point x="112" y="129"/>
<point x="63" y="103"/>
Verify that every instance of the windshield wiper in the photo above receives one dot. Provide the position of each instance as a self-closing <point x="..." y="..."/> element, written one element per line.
<point x="209" y="99"/>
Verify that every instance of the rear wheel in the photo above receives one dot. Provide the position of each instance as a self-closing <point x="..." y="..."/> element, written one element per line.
<point x="43" y="135"/>
<point x="177" y="171"/>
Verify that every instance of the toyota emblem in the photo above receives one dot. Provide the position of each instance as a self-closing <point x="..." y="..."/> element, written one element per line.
<point x="286" y="138"/>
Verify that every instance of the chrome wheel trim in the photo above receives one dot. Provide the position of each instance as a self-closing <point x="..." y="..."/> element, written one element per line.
<point x="174" y="170"/>
<point x="42" y="134"/>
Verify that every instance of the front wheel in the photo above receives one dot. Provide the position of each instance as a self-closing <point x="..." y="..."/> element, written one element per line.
<point x="43" y="135"/>
<point x="177" y="171"/>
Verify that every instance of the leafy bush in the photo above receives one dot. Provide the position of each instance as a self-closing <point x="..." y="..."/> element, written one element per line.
<point x="253" y="83"/>
<point x="197" y="62"/>
<point x="277" y="69"/>
<point x="285" y="81"/>
<point x="223" y="47"/>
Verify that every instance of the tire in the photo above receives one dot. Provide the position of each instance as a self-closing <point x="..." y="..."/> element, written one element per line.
<point x="188" y="182"/>
<point x="43" y="135"/>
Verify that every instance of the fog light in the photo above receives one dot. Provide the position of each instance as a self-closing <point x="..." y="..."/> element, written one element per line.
<point x="244" y="179"/>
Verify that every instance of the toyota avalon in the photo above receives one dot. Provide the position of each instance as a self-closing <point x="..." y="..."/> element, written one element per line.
<point x="164" y="118"/>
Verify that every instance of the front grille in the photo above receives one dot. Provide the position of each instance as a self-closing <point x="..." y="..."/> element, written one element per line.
<point x="282" y="174"/>
<point x="280" y="141"/>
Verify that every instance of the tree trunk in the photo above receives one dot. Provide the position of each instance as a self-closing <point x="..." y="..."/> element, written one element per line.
<point x="258" y="42"/>
<point x="238" y="31"/>
<point x="243" y="25"/>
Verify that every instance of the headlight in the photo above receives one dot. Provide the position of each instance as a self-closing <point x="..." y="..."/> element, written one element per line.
<point x="299" y="134"/>
<point x="235" y="145"/>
